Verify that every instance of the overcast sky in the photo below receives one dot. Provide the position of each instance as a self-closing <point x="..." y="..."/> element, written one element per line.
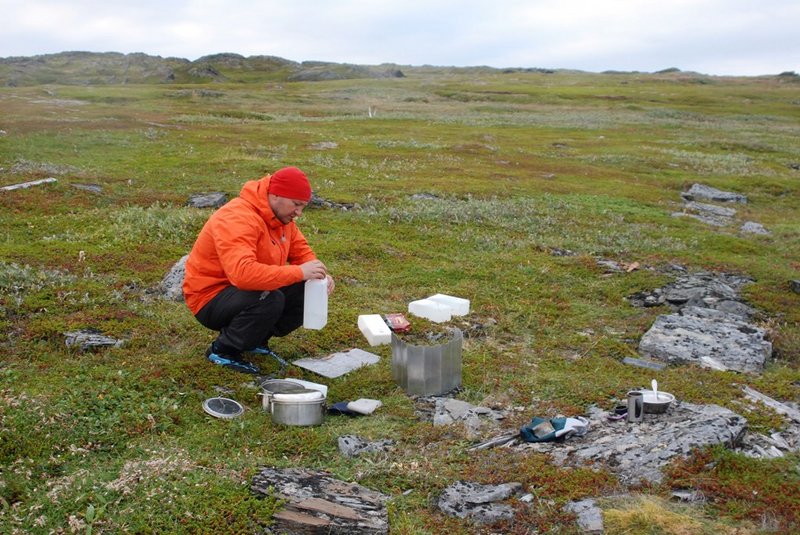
<point x="722" y="37"/>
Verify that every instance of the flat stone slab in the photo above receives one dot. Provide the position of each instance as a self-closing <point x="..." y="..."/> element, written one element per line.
<point x="638" y="452"/>
<point x="721" y="343"/>
<point x="338" y="364"/>
<point x="710" y="325"/>
<point x="320" y="504"/>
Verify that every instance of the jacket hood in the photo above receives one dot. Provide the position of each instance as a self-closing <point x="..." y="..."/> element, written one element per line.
<point x="255" y="193"/>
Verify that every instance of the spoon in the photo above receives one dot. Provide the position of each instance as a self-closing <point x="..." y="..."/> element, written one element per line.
<point x="654" y="384"/>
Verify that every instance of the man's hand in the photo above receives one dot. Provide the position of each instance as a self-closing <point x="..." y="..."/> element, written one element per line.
<point x="331" y="285"/>
<point x="314" y="269"/>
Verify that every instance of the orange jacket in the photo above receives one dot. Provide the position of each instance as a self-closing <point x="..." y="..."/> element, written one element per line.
<point x="244" y="245"/>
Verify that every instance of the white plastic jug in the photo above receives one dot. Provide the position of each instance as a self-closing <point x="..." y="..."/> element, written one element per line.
<point x="315" y="306"/>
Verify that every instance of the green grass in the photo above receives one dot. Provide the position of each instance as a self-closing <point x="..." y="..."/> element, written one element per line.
<point x="513" y="165"/>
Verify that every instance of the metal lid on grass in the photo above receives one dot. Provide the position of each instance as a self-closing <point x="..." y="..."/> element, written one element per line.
<point x="223" y="408"/>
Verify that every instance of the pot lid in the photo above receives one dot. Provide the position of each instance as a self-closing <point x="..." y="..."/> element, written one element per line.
<point x="223" y="408"/>
<point x="281" y="386"/>
<point x="305" y="394"/>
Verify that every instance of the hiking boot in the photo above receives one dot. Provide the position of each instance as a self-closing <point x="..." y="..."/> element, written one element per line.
<point x="231" y="362"/>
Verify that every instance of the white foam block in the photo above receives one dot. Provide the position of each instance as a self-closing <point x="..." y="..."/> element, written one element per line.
<point x="374" y="329"/>
<point x="364" y="406"/>
<point x="427" y="308"/>
<point x="458" y="305"/>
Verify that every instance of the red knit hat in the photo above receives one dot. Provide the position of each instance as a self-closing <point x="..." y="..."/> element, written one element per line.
<point x="290" y="182"/>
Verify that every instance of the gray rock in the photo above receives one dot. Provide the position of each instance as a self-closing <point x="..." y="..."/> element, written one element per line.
<point x="89" y="339"/>
<point x="171" y="286"/>
<point x="750" y="227"/>
<point x="795" y="286"/>
<point x="465" y="499"/>
<point x="207" y="200"/>
<point x="590" y="517"/>
<point x="645" y="298"/>
<point x="318" y="202"/>
<point x="708" y="290"/>
<point x="476" y="420"/>
<point x="717" y="343"/>
<point x="700" y="191"/>
<point x="638" y="452"/>
<point x="353" y="446"/>
<point x="688" y="496"/>
<point x="324" y="145"/>
<point x="92" y="188"/>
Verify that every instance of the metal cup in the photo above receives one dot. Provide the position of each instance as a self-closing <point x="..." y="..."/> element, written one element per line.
<point x="635" y="406"/>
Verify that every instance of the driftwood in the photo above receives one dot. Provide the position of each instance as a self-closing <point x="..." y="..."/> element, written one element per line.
<point x="25" y="185"/>
<point x="316" y="503"/>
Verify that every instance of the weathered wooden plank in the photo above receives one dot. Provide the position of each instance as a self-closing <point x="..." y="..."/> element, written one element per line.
<point x="316" y="503"/>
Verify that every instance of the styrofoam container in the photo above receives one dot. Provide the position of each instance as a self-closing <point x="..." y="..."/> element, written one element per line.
<point x="374" y="329"/>
<point x="315" y="304"/>
<point x="432" y="310"/>
<point x="458" y="305"/>
<point x="309" y="385"/>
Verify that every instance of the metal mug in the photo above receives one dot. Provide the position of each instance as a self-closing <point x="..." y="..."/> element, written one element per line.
<point x="635" y="406"/>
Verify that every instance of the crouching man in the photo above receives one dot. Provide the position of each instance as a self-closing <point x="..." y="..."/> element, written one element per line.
<point x="246" y="273"/>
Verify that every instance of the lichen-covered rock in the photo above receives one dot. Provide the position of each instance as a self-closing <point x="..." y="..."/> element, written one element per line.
<point x="720" y="343"/>
<point x="479" y="503"/>
<point x="171" y="286"/>
<point x="637" y="452"/>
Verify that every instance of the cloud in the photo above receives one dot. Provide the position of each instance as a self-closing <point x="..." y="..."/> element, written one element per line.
<point x="713" y="36"/>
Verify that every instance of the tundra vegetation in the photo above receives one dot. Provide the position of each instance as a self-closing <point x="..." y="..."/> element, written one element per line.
<point x="464" y="182"/>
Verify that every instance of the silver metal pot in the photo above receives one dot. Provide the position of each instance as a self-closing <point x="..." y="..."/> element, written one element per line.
<point x="292" y="404"/>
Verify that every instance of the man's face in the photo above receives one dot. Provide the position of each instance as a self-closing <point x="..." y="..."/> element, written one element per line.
<point x="286" y="210"/>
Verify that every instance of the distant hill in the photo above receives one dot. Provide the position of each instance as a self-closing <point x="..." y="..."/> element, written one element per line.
<point x="113" y="68"/>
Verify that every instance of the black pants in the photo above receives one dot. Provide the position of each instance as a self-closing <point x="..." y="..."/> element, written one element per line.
<point x="248" y="319"/>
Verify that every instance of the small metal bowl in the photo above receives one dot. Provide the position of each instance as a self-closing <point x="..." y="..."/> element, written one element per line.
<point x="657" y="406"/>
